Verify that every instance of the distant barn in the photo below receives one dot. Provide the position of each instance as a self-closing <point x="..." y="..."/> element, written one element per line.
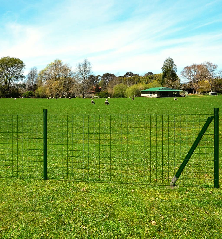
<point x="158" y="92"/>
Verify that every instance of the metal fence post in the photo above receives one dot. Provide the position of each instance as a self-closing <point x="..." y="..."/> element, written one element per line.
<point x="216" y="147"/>
<point x="45" y="144"/>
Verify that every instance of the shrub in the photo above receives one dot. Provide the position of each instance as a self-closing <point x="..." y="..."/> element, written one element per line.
<point x="119" y="91"/>
<point x="28" y="94"/>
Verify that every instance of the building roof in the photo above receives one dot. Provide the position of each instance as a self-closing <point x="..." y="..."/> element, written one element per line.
<point x="161" y="89"/>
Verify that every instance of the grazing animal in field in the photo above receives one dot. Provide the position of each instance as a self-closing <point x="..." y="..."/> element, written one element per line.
<point x="106" y="102"/>
<point x="93" y="102"/>
<point x="175" y="98"/>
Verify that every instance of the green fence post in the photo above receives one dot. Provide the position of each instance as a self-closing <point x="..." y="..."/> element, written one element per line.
<point x="45" y="144"/>
<point x="216" y="147"/>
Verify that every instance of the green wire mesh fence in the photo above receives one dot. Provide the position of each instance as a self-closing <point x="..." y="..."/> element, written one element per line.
<point x="144" y="149"/>
<point x="21" y="146"/>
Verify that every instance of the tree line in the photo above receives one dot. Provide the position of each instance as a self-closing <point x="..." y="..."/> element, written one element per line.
<point x="58" y="79"/>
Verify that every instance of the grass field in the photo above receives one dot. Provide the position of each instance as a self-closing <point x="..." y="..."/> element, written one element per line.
<point x="67" y="209"/>
<point x="191" y="104"/>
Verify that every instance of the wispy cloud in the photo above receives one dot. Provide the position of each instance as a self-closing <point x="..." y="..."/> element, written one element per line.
<point x="135" y="36"/>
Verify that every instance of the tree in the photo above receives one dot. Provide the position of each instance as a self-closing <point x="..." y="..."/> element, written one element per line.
<point x="170" y="78"/>
<point x="130" y="79"/>
<point x="106" y="79"/>
<point x="135" y="90"/>
<point x="31" y="83"/>
<point x="218" y="85"/>
<point x="11" y="71"/>
<point x="211" y="75"/>
<point x="190" y="72"/>
<point x="58" y="80"/>
<point x="150" y="77"/>
<point x="83" y="73"/>
<point x="197" y="73"/>
<point x="203" y="86"/>
<point x="119" y="91"/>
<point x="129" y="74"/>
<point x="148" y="74"/>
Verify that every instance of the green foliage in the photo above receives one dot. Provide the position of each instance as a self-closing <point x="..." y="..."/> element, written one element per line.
<point x="11" y="71"/>
<point x="153" y="84"/>
<point x="41" y="92"/>
<point x="57" y="79"/>
<point x="119" y="91"/>
<point x="28" y="94"/>
<point x="103" y="94"/>
<point x="135" y="90"/>
<point x="218" y="85"/>
<point x="170" y="78"/>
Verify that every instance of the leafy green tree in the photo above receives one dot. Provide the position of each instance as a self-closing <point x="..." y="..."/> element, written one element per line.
<point x="135" y="90"/>
<point x="106" y="79"/>
<point x="119" y="91"/>
<point x="11" y="71"/>
<point x="153" y="84"/>
<point x="41" y="92"/>
<point x="130" y="80"/>
<point x="218" y="84"/>
<point x="150" y="77"/>
<point x="170" y="78"/>
<point x="28" y="94"/>
<point x="57" y="79"/>
<point x="204" y="86"/>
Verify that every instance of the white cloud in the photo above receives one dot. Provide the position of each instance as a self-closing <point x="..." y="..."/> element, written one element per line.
<point x="114" y="37"/>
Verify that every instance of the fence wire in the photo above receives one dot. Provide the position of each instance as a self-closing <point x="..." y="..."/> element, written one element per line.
<point x="21" y="149"/>
<point x="145" y="149"/>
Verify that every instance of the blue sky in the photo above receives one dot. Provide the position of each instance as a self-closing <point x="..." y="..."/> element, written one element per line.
<point x="116" y="36"/>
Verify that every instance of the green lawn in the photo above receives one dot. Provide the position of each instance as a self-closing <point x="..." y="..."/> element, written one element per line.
<point x="65" y="209"/>
<point x="184" y="105"/>
<point x="68" y="209"/>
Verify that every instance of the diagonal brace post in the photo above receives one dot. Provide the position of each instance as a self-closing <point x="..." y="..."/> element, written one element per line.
<point x="192" y="149"/>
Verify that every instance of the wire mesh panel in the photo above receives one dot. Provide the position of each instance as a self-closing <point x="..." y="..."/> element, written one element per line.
<point x="129" y="148"/>
<point x="57" y="146"/>
<point x="199" y="169"/>
<point x="7" y="162"/>
<point x="21" y="146"/>
<point x="143" y="148"/>
<point x="30" y="146"/>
